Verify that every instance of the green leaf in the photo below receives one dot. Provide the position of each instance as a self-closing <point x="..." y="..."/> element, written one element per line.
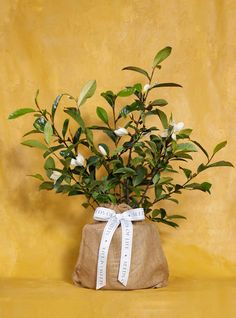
<point x="200" y="147"/>
<point x="176" y="216"/>
<point x="158" y="191"/>
<point x="54" y="105"/>
<point x="135" y="106"/>
<point x="165" y="180"/>
<point x="170" y="223"/>
<point x="205" y="186"/>
<point x="32" y="132"/>
<point x="52" y="149"/>
<point x="160" y="211"/>
<point x="110" y="97"/>
<point x="75" y="114"/>
<point x="102" y="114"/>
<point x="138" y="87"/>
<point x="187" y="172"/>
<point x="180" y="155"/>
<point x="125" y="170"/>
<point x="110" y="134"/>
<point x="89" y="135"/>
<point x="46" y="186"/>
<point x="35" y="144"/>
<point x="112" y="198"/>
<point x="64" y="188"/>
<point x="219" y="147"/>
<point x="58" y="183"/>
<point x="165" y="85"/>
<point x="155" y="213"/>
<point x="49" y="163"/>
<point x="37" y="176"/>
<point x="184" y="133"/>
<point x="93" y="161"/>
<point x="118" y="150"/>
<point x="87" y="91"/>
<point x="136" y="69"/>
<point x="48" y="132"/>
<point x="65" y="127"/>
<point x="158" y="102"/>
<point x="156" y="178"/>
<point x="21" y="112"/>
<point x="221" y="164"/>
<point x="77" y="135"/>
<point x="163" y="118"/>
<point x="173" y="200"/>
<point x="186" y="147"/>
<point x="201" y="168"/>
<point x="75" y="192"/>
<point x="161" y="55"/>
<point x="135" y="161"/>
<point x="141" y="173"/>
<point x="40" y="123"/>
<point x="126" y="92"/>
<point x="65" y="153"/>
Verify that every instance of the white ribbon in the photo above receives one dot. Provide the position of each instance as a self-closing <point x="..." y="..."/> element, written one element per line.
<point x="113" y="220"/>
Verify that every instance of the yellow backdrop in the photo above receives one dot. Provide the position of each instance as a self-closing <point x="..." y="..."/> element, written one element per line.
<point x="57" y="46"/>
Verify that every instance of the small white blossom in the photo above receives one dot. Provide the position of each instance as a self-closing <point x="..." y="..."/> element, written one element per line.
<point x="146" y="87"/>
<point x="102" y="150"/>
<point x="55" y="176"/>
<point x="79" y="161"/>
<point x="121" y="132"/>
<point x="176" y="128"/>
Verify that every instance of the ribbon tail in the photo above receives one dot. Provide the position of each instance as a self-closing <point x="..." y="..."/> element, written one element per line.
<point x="126" y="251"/>
<point x="107" y="235"/>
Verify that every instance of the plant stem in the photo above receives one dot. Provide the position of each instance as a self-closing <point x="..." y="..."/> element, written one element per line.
<point x="114" y="116"/>
<point x="154" y="171"/>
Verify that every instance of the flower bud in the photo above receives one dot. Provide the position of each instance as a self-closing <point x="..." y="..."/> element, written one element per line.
<point x="146" y="87"/>
<point x="121" y="132"/>
<point x="79" y="161"/>
<point x="102" y="150"/>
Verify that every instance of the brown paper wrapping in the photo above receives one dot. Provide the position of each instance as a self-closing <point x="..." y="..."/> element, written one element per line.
<point x="148" y="268"/>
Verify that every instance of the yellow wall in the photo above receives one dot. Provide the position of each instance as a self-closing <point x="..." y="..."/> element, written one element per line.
<point x="57" y="46"/>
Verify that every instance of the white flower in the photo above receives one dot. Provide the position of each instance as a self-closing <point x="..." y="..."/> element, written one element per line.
<point x="176" y="128"/>
<point x="121" y="132"/>
<point x="102" y="150"/>
<point x="55" y="176"/>
<point x="79" y="161"/>
<point x="146" y="87"/>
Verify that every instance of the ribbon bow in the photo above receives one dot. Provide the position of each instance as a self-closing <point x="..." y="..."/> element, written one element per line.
<point x="113" y="220"/>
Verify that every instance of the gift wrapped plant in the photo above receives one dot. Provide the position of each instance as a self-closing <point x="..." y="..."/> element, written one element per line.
<point x="134" y="167"/>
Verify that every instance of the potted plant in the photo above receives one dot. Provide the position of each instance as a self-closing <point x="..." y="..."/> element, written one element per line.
<point x="136" y="162"/>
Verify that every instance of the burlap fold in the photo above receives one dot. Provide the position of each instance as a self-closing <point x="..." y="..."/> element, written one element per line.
<point x="148" y="269"/>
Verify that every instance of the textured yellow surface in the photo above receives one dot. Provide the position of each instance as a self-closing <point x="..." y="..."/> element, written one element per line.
<point x="57" y="46"/>
<point x="183" y="298"/>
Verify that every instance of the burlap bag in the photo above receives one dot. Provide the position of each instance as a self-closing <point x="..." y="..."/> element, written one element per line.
<point x="148" y="268"/>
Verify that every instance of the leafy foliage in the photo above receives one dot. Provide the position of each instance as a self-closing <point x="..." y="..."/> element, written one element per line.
<point x="131" y="162"/>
